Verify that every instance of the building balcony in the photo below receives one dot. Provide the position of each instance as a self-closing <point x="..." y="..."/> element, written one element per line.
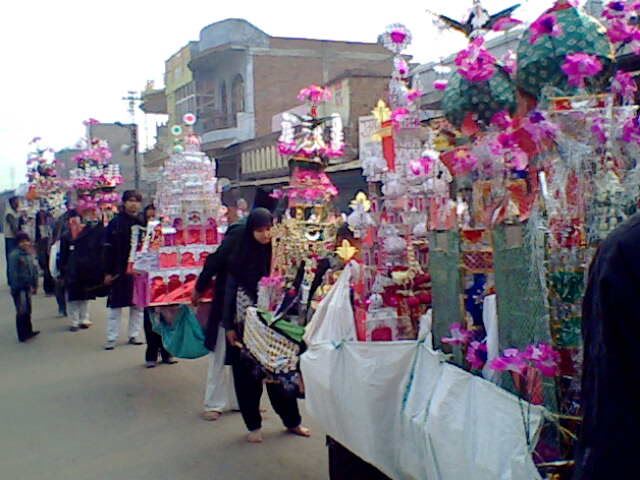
<point x="227" y="129"/>
<point x="154" y="101"/>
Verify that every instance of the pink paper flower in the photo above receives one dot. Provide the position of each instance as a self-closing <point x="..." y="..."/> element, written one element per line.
<point x="314" y="94"/>
<point x="506" y="146"/>
<point x="459" y="335"/>
<point x="505" y="23"/>
<point x="624" y="84"/>
<point x="511" y="361"/>
<point x="476" y="63"/>
<point x="539" y="127"/>
<point x="547" y="24"/>
<point x="477" y="355"/>
<point x="616" y="10"/>
<point x="401" y="66"/>
<point x="90" y="121"/>
<point x="579" y="66"/>
<point x="544" y="358"/>
<point x="463" y="161"/>
<point x="441" y="85"/>
<point x="598" y="128"/>
<point x="422" y="166"/>
<point x="398" y="36"/>
<point x="398" y="116"/>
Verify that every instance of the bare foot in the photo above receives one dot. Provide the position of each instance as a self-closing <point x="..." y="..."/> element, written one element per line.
<point x="255" y="436"/>
<point x="211" y="415"/>
<point x="300" y="431"/>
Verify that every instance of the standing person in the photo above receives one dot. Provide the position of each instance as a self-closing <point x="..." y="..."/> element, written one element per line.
<point x="250" y="262"/>
<point x="154" y="340"/>
<point x="23" y="280"/>
<point x="117" y="247"/>
<point x="610" y="329"/>
<point x="11" y="227"/>
<point x="219" y="393"/>
<point x="79" y="264"/>
<point x="60" y="229"/>
<point x="44" y="231"/>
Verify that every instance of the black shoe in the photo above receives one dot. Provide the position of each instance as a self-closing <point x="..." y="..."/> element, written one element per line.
<point x="73" y="329"/>
<point x="169" y="361"/>
<point x="33" y="334"/>
<point x="135" y="341"/>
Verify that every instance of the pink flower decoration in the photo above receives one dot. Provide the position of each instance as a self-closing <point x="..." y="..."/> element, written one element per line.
<point x="422" y="166"/>
<point x="401" y="65"/>
<point x="35" y="140"/>
<point x="414" y="95"/>
<point x="598" y="128"/>
<point x="459" y="335"/>
<point x="314" y="94"/>
<point x="544" y="358"/>
<point x="510" y="62"/>
<point x="476" y="63"/>
<point x="539" y="127"/>
<point x="616" y="10"/>
<point x="277" y="194"/>
<point x="579" y="66"/>
<point x="463" y="161"/>
<point x="441" y="85"/>
<point x="631" y="130"/>
<point x="547" y="24"/>
<point x="90" y="121"/>
<point x="476" y="355"/>
<point x="505" y="23"/>
<point x="619" y="31"/>
<point x="398" y="36"/>
<point x="507" y="146"/>
<point x="398" y="116"/>
<point x="624" y="85"/>
<point x="502" y="120"/>
<point x="511" y="361"/>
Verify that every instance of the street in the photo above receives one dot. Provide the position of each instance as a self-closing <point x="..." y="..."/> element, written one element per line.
<point x="71" y="410"/>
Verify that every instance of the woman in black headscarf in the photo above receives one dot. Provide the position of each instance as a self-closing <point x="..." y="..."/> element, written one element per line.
<point x="250" y="262"/>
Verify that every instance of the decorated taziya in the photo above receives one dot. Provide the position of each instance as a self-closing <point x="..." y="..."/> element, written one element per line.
<point x="42" y="175"/>
<point x="95" y="178"/>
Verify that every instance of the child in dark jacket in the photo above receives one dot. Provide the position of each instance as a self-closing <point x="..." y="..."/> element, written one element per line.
<point x="23" y="280"/>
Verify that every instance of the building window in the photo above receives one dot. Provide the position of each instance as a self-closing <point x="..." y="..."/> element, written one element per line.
<point x="237" y="95"/>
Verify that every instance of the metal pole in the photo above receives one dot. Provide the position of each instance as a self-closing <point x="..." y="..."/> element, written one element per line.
<point x="134" y="141"/>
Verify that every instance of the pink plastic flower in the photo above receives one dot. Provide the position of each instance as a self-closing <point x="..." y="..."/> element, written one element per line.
<point x="398" y="116"/>
<point x="547" y="24"/>
<point x="505" y="23"/>
<point x="502" y="120"/>
<point x="511" y="361"/>
<point x="476" y="63"/>
<point x="441" y="85"/>
<point x="544" y="358"/>
<point x="314" y="94"/>
<point x="624" y="85"/>
<point x="477" y="355"/>
<point x="414" y="95"/>
<point x="579" y="66"/>
<point x="459" y="335"/>
<point x="598" y="128"/>
<point x="620" y="31"/>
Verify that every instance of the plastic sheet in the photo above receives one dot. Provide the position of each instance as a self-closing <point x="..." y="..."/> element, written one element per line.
<point x="399" y="407"/>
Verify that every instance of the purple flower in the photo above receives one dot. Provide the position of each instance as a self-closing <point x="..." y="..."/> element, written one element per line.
<point x="631" y="130"/>
<point x="502" y="120"/>
<point x="624" y="85"/>
<point x="615" y="10"/>
<point x="398" y="36"/>
<point x="459" y="335"/>
<point x="579" y="66"/>
<point x="477" y="355"/>
<point x="547" y="24"/>
<point x="476" y="63"/>
<point x="620" y="31"/>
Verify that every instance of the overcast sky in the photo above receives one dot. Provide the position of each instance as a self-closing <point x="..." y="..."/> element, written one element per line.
<point x="68" y="60"/>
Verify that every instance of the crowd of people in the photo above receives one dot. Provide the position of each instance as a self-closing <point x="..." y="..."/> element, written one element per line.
<point x="81" y="259"/>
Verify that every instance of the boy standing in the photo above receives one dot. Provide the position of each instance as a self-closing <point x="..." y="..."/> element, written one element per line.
<point x="23" y="280"/>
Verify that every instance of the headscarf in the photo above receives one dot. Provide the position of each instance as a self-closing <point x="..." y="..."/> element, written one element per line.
<point x="251" y="260"/>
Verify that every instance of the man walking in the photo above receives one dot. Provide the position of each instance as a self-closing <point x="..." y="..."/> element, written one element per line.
<point x="117" y="248"/>
<point x="11" y="227"/>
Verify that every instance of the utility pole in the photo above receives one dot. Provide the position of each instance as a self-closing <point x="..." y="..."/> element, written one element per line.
<point x="132" y="99"/>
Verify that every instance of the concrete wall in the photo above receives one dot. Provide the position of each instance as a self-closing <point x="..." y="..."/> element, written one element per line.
<point x="232" y="30"/>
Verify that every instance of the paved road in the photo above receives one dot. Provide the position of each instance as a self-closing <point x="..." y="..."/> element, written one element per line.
<point x="70" y="410"/>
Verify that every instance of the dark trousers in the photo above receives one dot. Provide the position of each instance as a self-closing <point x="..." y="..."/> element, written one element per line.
<point x="154" y="341"/>
<point x="249" y="392"/>
<point x="48" y="284"/>
<point x="22" y="301"/>
<point x="61" y="297"/>
<point x="9" y="245"/>
<point x="345" y="465"/>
